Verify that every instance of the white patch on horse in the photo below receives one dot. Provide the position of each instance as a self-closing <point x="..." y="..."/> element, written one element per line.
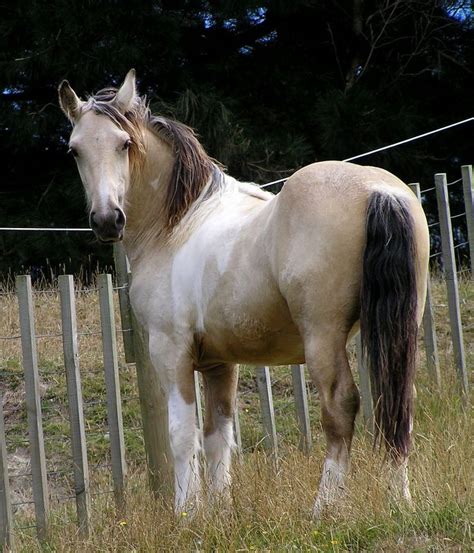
<point x="104" y="193"/>
<point x="204" y="257"/>
<point x="155" y="183"/>
<point x="218" y="447"/>
<point x="184" y="441"/>
<point x="190" y="292"/>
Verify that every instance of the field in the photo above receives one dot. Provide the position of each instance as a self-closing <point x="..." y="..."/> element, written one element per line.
<point x="270" y="509"/>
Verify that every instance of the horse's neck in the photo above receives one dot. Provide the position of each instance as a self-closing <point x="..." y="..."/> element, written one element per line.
<point x="145" y="200"/>
<point x="146" y="196"/>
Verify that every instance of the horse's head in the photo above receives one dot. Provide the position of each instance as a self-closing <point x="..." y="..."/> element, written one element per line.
<point x="100" y="143"/>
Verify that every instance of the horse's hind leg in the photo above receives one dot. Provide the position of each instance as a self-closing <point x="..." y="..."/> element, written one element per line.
<point x="326" y="358"/>
<point x="220" y="388"/>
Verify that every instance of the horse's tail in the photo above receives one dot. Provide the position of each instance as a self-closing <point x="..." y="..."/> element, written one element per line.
<point x="388" y="318"/>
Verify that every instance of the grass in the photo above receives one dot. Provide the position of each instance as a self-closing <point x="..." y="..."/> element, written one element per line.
<point x="270" y="509"/>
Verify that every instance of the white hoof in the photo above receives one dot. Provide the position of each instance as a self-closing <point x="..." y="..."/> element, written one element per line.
<point x="331" y="487"/>
<point x="400" y="485"/>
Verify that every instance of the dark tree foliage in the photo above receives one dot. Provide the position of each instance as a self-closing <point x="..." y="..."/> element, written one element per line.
<point x="270" y="86"/>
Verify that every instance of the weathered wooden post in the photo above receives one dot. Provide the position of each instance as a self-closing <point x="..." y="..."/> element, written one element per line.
<point x="112" y="388"/>
<point x="236" y="428"/>
<point x="33" y="405"/>
<point x="429" y="328"/>
<point x="451" y="279"/>
<point x="365" y="389"/>
<point x="301" y="405"/>
<point x="75" y="404"/>
<point x="122" y="271"/>
<point x="6" y="517"/>
<point x="154" y="412"/>
<point x="468" y="187"/>
<point x="153" y="405"/>
<point x="268" y="414"/>
<point x="197" y="395"/>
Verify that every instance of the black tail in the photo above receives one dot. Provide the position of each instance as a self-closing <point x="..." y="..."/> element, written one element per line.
<point x="388" y="318"/>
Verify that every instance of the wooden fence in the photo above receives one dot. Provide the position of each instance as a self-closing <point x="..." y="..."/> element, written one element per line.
<point x="153" y="407"/>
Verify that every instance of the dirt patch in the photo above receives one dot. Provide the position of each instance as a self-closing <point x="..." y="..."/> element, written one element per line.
<point x="19" y="469"/>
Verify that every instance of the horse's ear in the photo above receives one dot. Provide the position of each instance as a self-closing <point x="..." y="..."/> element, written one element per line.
<point x="126" y="93"/>
<point x="69" y="101"/>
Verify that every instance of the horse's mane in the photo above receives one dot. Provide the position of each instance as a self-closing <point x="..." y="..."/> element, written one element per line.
<point x="194" y="172"/>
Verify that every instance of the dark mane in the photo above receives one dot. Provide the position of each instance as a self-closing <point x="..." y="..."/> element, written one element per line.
<point x="193" y="169"/>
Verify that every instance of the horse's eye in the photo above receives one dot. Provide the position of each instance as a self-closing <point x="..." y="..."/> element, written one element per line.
<point x="127" y="144"/>
<point x="73" y="151"/>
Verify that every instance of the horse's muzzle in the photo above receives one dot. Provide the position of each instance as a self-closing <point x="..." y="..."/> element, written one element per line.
<point x="108" y="226"/>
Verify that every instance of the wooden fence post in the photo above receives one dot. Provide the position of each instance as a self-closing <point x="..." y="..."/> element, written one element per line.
<point x="268" y="414"/>
<point x="468" y="187"/>
<point x="154" y="410"/>
<point x="33" y="405"/>
<point x="301" y="405"/>
<point x="199" y="417"/>
<point x="153" y="406"/>
<point x="450" y="276"/>
<point x="6" y="517"/>
<point x="429" y="328"/>
<point x="112" y="384"/>
<point x="123" y="282"/>
<point x="75" y="406"/>
<point x="429" y="337"/>
<point x="197" y="394"/>
<point x="236" y="427"/>
<point x="365" y="389"/>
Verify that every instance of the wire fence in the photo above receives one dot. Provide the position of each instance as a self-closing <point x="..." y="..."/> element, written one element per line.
<point x="46" y="349"/>
<point x="436" y="224"/>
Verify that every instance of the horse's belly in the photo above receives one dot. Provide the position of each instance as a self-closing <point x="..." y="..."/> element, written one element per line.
<point x="253" y="341"/>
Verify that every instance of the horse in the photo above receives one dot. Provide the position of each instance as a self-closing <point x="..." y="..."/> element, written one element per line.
<point x="225" y="273"/>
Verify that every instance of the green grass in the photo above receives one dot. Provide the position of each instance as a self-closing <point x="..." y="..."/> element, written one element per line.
<point x="270" y="510"/>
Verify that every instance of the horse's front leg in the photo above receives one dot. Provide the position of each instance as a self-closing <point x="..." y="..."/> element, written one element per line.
<point x="176" y="370"/>
<point x="184" y="441"/>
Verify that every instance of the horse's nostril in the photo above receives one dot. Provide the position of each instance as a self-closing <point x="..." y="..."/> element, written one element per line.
<point x="119" y="219"/>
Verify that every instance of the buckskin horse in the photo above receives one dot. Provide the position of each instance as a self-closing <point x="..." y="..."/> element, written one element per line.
<point x="225" y="273"/>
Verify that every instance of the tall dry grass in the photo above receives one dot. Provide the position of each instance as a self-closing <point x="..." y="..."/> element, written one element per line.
<point x="270" y="509"/>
